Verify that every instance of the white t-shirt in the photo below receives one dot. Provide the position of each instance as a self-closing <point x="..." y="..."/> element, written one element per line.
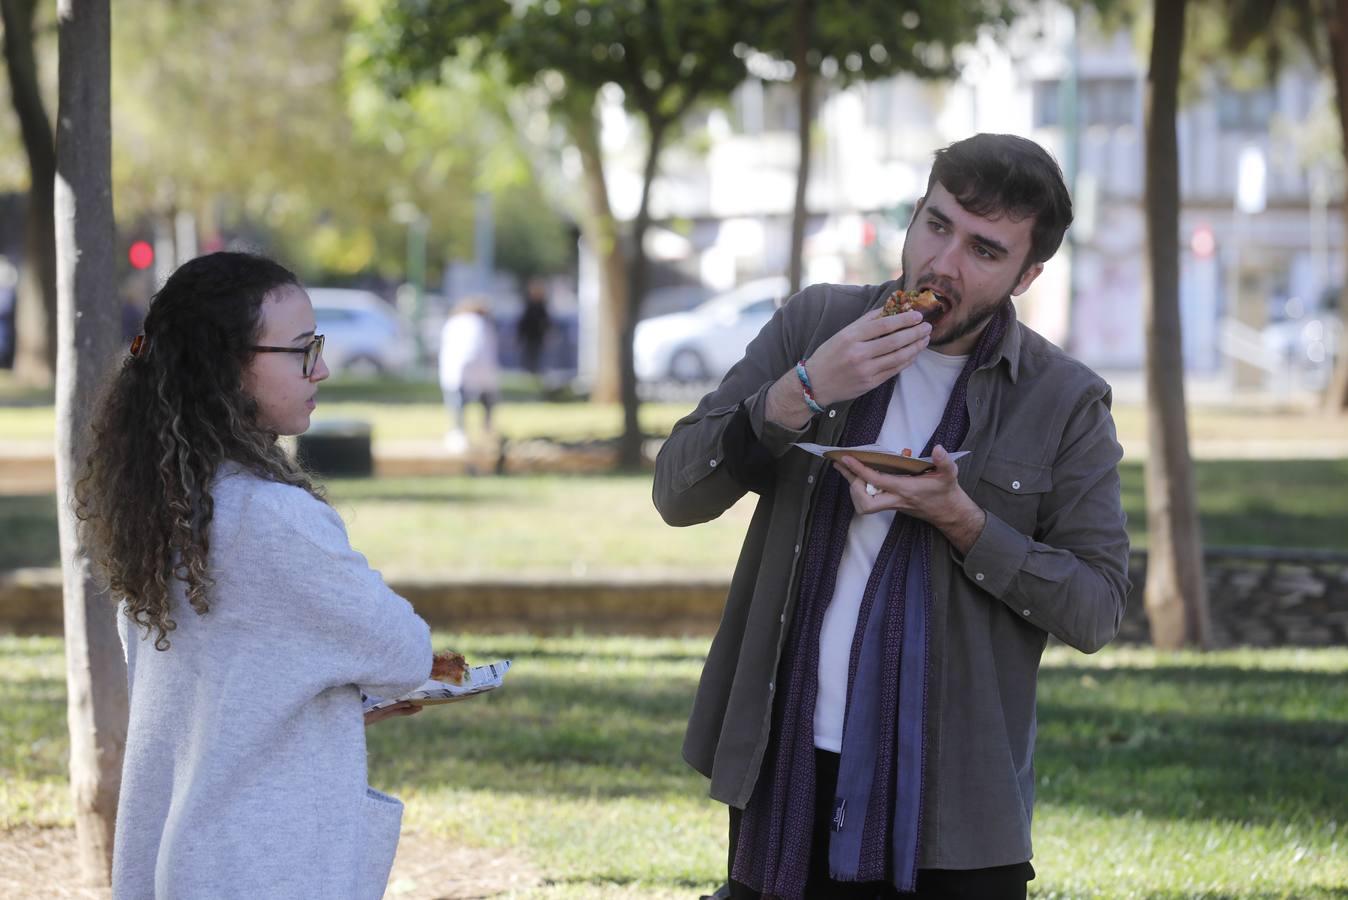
<point x="914" y="412"/>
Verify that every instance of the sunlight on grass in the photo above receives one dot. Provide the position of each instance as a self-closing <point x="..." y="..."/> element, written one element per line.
<point x="1159" y="775"/>
<point x="394" y="418"/>
<point x="567" y="526"/>
<point x="537" y="524"/>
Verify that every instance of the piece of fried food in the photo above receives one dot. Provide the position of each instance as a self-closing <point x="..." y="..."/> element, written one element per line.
<point x="923" y="301"/>
<point x="449" y="666"/>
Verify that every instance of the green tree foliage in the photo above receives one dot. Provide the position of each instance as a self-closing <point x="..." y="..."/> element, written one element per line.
<point x="873" y="39"/>
<point x="255" y="118"/>
<point x="665" y="55"/>
<point x="843" y="41"/>
<point x="238" y="113"/>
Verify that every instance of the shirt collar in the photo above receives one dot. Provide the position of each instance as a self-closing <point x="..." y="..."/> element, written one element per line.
<point x="1010" y="347"/>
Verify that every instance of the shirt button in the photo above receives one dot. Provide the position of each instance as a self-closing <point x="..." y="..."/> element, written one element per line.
<point x="978" y="577"/>
<point x="809" y="480"/>
<point x="798" y="548"/>
<point x="1015" y="485"/>
<point x="832" y="413"/>
<point x="769" y="685"/>
<point x="712" y="463"/>
<point x="783" y="619"/>
<point x="1025" y="612"/>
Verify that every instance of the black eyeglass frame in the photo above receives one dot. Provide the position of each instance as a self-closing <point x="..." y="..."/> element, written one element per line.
<point x="312" y="352"/>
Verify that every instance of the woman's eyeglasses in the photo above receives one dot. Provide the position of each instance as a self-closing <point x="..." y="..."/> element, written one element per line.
<point x="312" y="351"/>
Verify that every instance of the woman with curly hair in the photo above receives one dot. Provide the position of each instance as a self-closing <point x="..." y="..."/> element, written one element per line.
<point x="250" y="625"/>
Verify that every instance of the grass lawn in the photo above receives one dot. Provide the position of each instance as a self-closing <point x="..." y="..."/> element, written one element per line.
<point x="404" y="411"/>
<point x="397" y="411"/>
<point x="1224" y="775"/>
<point x="595" y="524"/>
<point x="424" y="420"/>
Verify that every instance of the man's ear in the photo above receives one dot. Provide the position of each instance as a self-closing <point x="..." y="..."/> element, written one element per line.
<point x="1026" y="279"/>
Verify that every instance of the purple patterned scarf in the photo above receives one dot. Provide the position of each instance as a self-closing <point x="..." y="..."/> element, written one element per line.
<point x="877" y="812"/>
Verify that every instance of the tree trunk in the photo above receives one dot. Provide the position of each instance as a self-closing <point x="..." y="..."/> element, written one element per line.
<point x="600" y="228"/>
<point x="88" y="336"/>
<point x="35" y="307"/>
<point x="1175" y="595"/>
<point x="629" y="447"/>
<point x="1336" y="396"/>
<point x="804" y="99"/>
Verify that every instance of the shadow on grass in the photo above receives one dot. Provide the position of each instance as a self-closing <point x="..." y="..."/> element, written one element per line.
<point x="620" y="736"/>
<point x="579" y="738"/>
<point x="1260" y="502"/>
<point x="1181" y="743"/>
<point x="28" y="532"/>
<point x="600" y="655"/>
<point x="1240" y="744"/>
<point x="1316" y="892"/>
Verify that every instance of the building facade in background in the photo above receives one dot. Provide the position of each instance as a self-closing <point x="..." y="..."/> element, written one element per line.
<point x="1261" y="221"/>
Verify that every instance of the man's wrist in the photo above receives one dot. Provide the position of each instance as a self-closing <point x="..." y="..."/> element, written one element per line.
<point x="963" y="528"/>
<point x="786" y="403"/>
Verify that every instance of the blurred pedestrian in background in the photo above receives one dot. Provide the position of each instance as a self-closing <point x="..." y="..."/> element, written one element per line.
<point x="534" y="325"/>
<point x="469" y="371"/>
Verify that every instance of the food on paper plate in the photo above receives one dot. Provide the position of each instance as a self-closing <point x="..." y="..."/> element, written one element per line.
<point x="449" y="666"/>
<point x="907" y="451"/>
<point x="924" y="301"/>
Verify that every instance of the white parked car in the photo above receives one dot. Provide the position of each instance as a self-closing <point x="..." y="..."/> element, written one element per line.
<point x="703" y="343"/>
<point x="362" y="333"/>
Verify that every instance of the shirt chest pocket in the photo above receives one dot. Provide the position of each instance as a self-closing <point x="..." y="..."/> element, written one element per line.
<point x="1012" y="490"/>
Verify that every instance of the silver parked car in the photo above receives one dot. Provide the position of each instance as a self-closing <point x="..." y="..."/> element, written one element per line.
<point x="363" y="334"/>
<point x="703" y="343"/>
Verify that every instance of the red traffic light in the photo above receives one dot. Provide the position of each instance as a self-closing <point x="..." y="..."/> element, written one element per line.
<point x="141" y="255"/>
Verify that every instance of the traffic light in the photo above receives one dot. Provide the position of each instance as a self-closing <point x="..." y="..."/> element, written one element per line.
<point x="141" y="255"/>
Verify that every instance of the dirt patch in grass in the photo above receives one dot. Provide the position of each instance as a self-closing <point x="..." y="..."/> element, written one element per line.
<point x="40" y="863"/>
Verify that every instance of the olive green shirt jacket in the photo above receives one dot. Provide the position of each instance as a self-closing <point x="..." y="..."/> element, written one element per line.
<point x="1052" y="559"/>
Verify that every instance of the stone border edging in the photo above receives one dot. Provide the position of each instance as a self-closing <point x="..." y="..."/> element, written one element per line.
<point x="1259" y="596"/>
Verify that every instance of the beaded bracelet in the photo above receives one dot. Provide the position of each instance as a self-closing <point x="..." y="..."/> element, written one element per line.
<point x="806" y="388"/>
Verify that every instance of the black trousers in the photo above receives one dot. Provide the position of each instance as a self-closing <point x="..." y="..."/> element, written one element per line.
<point x="995" y="883"/>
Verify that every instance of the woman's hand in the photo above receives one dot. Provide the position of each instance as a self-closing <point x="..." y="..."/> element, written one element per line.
<point x="405" y="708"/>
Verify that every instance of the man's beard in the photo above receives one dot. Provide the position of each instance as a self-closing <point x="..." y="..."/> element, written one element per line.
<point x="972" y="324"/>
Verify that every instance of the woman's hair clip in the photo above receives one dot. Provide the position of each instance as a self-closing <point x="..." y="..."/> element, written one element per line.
<point x="138" y="346"/>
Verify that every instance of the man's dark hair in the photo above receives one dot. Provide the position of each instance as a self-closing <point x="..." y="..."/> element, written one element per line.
<point x="992" y="174"/>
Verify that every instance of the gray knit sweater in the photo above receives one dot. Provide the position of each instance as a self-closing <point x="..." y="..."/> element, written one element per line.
<point x="245" y="756"/>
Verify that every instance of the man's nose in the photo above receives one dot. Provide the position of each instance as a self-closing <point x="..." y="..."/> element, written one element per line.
<point x="320" y="372"/>
<point x="945" y="263"/>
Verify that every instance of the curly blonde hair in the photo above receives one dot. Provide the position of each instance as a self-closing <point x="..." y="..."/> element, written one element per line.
<point x="173" y="413"/>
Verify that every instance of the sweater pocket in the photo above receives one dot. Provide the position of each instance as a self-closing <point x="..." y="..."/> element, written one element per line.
<point x="381" y="821"/>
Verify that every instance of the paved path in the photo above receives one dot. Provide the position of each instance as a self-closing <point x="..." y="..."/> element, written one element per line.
<point x="38" y="862"/>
